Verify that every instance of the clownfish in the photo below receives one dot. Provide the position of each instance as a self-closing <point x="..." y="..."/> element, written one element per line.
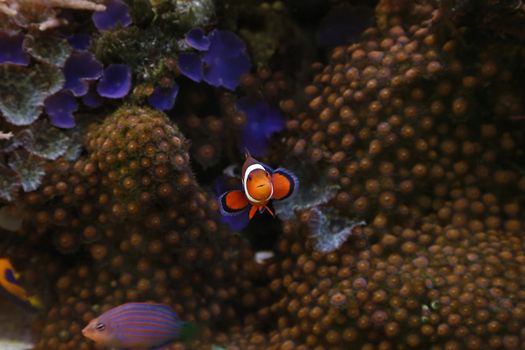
<point x="10" y="285"/>
<point x="260" y="184"/>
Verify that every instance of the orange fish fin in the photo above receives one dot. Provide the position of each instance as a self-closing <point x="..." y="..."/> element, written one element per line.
<point x="233" y="202"/>
<point x="253" y="210"/>
<point x="285" y="184"/>
<point x="271" y="212"/>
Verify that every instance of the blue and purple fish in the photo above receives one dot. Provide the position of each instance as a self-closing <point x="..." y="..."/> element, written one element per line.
<point x="138" y="325"/>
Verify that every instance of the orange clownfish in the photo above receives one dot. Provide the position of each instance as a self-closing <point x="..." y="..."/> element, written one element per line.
<point x="260" y="184"/>
<point x="9" y="284"/>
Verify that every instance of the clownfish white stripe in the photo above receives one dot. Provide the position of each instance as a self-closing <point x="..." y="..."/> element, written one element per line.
<point x="249" y="170"/>
<point x="245" y="180"/>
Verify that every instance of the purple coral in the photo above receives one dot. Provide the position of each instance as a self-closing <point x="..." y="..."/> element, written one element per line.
<point x="163" y="98"/>
<point x="11" y="49"/>
<point x="60" y="108"/>
<point x="79" y="41"/>
<point x="222" y="62"/>
<point x="79" y="68"/>
<point x="190" y="65"/>
<point x="92" y="99"/>
<point x="116" y="81"/>
<point x="197" y="39"/>
<point x="115" y="14"/>
<point x="262" y="121"/>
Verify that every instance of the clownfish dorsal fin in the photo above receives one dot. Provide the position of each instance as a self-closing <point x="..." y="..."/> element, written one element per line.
<point x="249" y="161"/>
<point x="247" y="153"/>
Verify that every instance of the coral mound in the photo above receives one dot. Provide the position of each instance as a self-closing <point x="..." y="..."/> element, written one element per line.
<point x="133" y="206"/>
<point x="140" y="156"/>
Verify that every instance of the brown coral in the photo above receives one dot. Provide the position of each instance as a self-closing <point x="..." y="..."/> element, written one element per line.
<point x="151" y="233"/>
<point x="395" y="121"/>
<point x="42" y="12"/>
<point x="402" y="123"/>
<point x="433" y="285"/>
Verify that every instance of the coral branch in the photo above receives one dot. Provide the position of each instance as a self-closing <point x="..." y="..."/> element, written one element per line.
<point x="40" y="12"/>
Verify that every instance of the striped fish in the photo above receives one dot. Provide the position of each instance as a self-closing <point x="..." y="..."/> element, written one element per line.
<point x="136" y="325"/>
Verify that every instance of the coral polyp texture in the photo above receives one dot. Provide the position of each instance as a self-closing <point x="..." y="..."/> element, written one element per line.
<point x="395" y="121"/>
<point x="137" y="160"/>
<point x="109" y="205"/>
<point x="407" y="228"/>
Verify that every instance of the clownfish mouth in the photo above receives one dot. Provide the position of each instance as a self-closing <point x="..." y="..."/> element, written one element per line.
<point x="261" y="185"/>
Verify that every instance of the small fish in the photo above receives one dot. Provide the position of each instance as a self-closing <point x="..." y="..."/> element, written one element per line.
<point x="5" y="135"/>
<point x="262" y="256"/>
<point x="260" y="184"/>
<point x="138" y="325"/>
<point x="10" y="285"/>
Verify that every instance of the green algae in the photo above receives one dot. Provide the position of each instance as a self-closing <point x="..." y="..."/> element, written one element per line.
<point x="24" y="89"/>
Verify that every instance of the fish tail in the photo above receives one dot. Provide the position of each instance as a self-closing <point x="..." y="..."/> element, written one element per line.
<point x="189" y="331"/>
<point x="35" y="302"/>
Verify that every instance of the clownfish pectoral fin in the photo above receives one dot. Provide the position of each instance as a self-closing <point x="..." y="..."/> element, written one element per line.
<point x="269" y="211"/>
<point x="285" y="184"/>
<point x="233" y="202"/>
<point x="253" y="210"/>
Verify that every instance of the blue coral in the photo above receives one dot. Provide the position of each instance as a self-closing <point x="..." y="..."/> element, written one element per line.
<point x="11" y="49"/>
<point x="262" y="121"/>
<point x="60" y="108"/>
<point x="197" y="39"/>
<point x="92" y="99"/>
<point x="116" y="81"/>
<point x="116" y="14"/>
<point x="79" y="41"/>
<point x="163" y="98"/>
<point x="223" y="58"/>
<point x="190" y="65"/>
<point x="79" y="69"/>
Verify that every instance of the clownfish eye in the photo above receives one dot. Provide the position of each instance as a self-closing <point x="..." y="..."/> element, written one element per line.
<point x="249" y="178"/>
<point x="100" y="327"/>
